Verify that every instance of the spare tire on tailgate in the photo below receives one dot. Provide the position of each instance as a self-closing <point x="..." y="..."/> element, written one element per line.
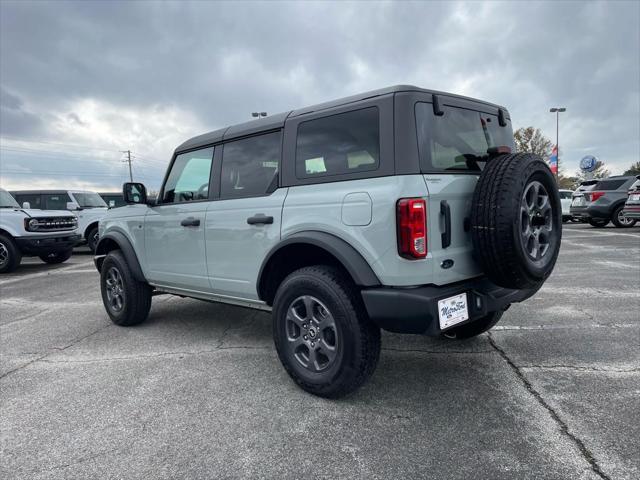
<point x="516" y="220"/>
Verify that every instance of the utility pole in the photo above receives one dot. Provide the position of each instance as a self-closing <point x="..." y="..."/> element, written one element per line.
<point x="557" y="111"/>
<point x="128" y="160"/>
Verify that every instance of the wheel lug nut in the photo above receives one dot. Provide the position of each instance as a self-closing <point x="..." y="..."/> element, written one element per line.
<point x="304" y="326"/>
<point x="305" y="337"/>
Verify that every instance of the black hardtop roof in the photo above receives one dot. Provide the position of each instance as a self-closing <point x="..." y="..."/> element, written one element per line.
<point x="273" y="122"/>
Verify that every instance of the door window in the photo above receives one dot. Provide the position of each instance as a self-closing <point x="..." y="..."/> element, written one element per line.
<point x="250" y="165"/>
<point x="188" y="180"/>
<point x="57" y="201"/>
<point x="34" y="199"/>
<point x="338" y="144"/>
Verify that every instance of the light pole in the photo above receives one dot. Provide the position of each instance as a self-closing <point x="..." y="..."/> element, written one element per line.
<point x="258" y="114"/>
<point x="557" y="111"/>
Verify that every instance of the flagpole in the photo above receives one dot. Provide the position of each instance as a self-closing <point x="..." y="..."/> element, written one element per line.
<point x="557" y="111"/>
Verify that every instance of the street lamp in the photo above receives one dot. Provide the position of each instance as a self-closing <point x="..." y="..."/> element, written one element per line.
<point x="557" y="111"/>
<point x="258" y="114"/>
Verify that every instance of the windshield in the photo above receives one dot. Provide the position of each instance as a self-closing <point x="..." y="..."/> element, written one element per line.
<point x="459" y="138"/>
<point x="89" y="200"/>
<point x="7" y="201"/>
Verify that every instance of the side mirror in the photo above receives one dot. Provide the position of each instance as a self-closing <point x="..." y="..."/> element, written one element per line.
<point x="112" y="203"/>
<point x="26" y="205"/>
<point x="134" y="192"/>
<point x="73" y="206"/>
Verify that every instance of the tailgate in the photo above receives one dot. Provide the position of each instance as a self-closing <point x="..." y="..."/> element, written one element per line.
<point x="453" y="193"/>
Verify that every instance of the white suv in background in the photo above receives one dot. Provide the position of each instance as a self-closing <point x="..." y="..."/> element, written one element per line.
<point x="50" y="235"/>
<point x="88" y="206"/>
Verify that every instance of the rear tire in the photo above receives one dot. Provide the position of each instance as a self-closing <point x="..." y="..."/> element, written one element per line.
<point x="126" y="300"/>
<point x="620" y="221"/>
<point x="474" y="328"/>
<point x="322" y="334"/>
<point x="10" y="255"/>
<point x="58" y="256"/>
<point x="598" y="222"/>
<point x="516" y="220"/>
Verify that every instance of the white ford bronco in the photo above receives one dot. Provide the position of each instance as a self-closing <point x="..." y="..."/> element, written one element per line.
<point x="402" y="209"/>
<point x="48" y="234"/>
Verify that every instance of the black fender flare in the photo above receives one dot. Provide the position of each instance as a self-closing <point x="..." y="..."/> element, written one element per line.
<point x="106" y="244"/>
<point x="359" y="269"/>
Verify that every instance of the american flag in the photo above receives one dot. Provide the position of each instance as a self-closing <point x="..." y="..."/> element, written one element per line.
<point x="553" y="161"/>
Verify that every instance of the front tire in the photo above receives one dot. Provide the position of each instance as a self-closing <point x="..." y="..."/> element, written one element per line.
<point x="126" y="300"/>
<point x="620" y="221"/>
<point x="92" y="239"/>
<point x="322" y="334"/>
<point x="10" y="256"/>
<point x="55" y="257"/>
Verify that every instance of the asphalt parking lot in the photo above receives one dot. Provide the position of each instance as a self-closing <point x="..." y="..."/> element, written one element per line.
<point x="198" y="392"/>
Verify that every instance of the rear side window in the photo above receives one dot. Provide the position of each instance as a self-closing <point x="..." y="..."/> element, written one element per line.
<point x="565" y="194"/>
<point x="56" y="201"/>
<point x="250" y="165"/>
<point x="457" y="139"/>
<point x="609" y="184"/>
<point x="188" y="180"/>
<point x="338" y="144"/>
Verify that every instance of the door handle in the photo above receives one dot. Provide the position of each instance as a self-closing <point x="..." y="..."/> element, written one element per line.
<point x="445" y="210"/>
<point x="190" y="222"/>
<point x="260" y="218"/>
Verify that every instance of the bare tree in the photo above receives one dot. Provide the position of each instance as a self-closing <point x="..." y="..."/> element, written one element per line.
<point x="530" y="139"/>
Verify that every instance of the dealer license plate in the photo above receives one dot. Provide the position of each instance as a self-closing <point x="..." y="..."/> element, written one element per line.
<point x="453" y="310"/>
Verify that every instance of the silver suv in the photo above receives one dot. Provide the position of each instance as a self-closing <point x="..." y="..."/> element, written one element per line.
<point x="401" y="209"/>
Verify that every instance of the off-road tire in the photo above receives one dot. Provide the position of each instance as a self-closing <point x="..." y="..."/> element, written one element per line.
<point x="474" y="328"/>
<point x="10" y="253"/>
<point x="92" y="242"/>
<point x="136" y="295"/>
<point x="497" y="223"/>
<point x="616" y="220"/>
<point x="358" y="344"/>
<point x="56" y="256"/>
<point x="598" y="222"/>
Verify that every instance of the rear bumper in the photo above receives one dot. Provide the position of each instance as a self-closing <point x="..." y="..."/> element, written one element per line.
<point x="415" y="310"/>
<point x="37" y="245"/>
<point x="592" y="211"/>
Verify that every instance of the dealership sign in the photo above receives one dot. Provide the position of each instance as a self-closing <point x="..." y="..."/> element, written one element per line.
<point x="588" y="163"/>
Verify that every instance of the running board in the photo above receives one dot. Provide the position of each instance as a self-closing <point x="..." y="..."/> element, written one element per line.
<point x="212" y="297"/>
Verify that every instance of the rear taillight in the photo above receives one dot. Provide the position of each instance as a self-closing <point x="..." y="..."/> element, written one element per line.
<point x="596" y="195"/>
<point x="412" y="227"/>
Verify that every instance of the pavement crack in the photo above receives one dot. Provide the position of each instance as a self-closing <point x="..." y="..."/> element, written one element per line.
<point x="581" y="368"/>
<point x="564" y="428"/>
<point x="57" y="349"/>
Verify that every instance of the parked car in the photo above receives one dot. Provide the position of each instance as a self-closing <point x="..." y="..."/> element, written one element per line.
<point x="88" y="206"/>
<point x="113" y="199"/>
<point x="565" y="199"/>
<point x="342" y="218"/>
<point x="48" y="234"/>
<point x="632" y="206"/>
<point x="603" y="202"/>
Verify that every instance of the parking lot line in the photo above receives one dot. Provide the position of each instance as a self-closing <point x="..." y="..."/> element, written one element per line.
<point x="46" y="273"/>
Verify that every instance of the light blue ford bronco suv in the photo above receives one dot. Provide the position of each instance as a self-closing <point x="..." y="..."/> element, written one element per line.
<point x="401" y="209"/>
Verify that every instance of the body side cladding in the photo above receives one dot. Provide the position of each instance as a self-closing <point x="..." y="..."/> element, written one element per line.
<point x="118" y="241"/>
<point x="353" y="262"/>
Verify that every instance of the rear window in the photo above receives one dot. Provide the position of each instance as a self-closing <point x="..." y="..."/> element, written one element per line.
<point x="609" y="184"/>
<point x="338" y="144"/>
<point x="457" y="139"/>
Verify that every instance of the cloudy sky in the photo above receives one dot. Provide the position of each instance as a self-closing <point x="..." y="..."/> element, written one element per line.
<point x="81" y="81"/>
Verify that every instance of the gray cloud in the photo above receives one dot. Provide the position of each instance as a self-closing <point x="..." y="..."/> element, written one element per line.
<point x="220" y="61"/>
